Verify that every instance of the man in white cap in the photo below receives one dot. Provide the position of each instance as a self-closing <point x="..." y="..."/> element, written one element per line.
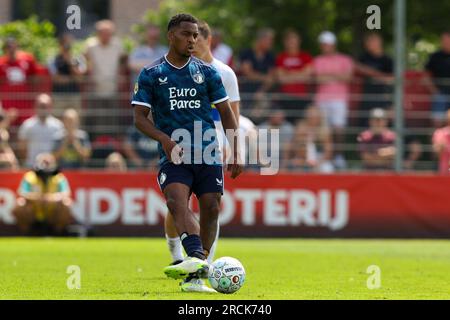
<point x="332" y="71"/>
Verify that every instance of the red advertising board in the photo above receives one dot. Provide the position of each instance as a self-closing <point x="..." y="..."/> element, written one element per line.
<point x="283" y="205"/>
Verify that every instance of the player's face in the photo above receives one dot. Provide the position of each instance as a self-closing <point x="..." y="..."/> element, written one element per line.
<point x="445" y="42"/>
<point x="378" y="124"/>
<point x="201" y="47"/>
<point x="327" y="48"/>
<point x="374" y="44"/>
<point x="183" y="38"/>
<point x="292" y="42"/>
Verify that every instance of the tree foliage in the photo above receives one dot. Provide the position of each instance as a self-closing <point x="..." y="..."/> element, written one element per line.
<point x="32" y="35"/>
<point x="239" y="19"/>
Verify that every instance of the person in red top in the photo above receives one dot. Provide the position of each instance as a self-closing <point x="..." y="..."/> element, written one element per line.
<point x="441" y="146"/>
<point x="17" y="69"/>
<point x="289" y="62"/>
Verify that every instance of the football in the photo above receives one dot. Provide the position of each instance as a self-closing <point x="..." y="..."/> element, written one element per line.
<point x="226" y="275"/>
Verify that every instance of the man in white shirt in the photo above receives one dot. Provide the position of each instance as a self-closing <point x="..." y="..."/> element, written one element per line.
<point x="37" y="134"/>
<point x="104" y="56"/>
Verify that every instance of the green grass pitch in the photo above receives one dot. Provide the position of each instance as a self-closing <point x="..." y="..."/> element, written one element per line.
<point x="131" y="268"/>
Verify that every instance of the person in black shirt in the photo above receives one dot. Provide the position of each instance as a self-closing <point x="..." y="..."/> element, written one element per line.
<point x="67" y="71"/>
<point x="257" y="68"/>
<point x="438" y="67"/>
<point x="377" y="93"/>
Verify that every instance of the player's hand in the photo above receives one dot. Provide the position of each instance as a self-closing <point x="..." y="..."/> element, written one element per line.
<point x="174" y="152"/>
<point x="235" y="168"/>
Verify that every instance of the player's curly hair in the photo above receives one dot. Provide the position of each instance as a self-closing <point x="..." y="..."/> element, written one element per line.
<point x="176" y="20"/>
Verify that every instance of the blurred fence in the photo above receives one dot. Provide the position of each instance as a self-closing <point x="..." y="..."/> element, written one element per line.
<point x="108" y="118"/>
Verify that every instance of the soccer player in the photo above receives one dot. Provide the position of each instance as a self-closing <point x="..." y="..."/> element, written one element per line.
<point x="230" y="82"/>
<point x="179" y="89"/>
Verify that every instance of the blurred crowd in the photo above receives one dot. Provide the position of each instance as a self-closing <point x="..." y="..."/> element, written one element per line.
<point x="329" y="108"/>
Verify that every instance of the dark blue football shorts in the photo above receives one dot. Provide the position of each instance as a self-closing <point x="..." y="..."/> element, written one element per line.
<point x="200" y="178"/>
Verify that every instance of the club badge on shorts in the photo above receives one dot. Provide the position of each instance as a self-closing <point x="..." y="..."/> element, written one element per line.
<point x="162" y="178"/>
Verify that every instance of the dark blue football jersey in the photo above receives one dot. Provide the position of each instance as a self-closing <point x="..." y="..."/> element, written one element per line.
<point x="181" y="98"/>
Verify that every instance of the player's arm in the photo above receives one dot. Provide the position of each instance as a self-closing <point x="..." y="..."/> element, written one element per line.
<point x="148" y="128"/>
<point x="228" y="119"/>
<point x="235" y="107"/>
<point x="303" y="75"/>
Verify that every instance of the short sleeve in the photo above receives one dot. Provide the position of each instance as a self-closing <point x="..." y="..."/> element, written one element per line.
<point x="142" y="93"/>
<point x="24" y="131"/>
<point x="63" y="185"/>
<point x="57" y="143"/>
<point x="231" y="85"/>
<point x="362" y="143"/>
<point x="24" y="187"/>
<point x="437" y="137"/>
<point x="85" y="141"/>
<point x="349" y="64"/>
<point x="216" y="90"/>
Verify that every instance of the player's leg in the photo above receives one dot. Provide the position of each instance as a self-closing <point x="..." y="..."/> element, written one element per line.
<point x="209" y="217"/>
<point x="173" y="239"/>
<point x="59" y="215"/>
<point x="177" y="198"/>
<point x="208" y="186"/>
<point x="212" y="251"/>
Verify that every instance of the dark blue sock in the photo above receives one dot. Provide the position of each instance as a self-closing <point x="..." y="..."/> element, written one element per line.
<point x="192" y="244"/>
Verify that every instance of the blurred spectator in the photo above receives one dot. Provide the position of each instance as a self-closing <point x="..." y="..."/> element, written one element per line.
<point x="8" y="160"/>
<point x="72" y="147"/>
<point x="289" y="62"/>
<point x="147" y="53"/>
<point x="441" y="146"/>
<point x="220" y="50"/>
<point x="248" y="132"/>
<point x="67" y="72"/>
<point x="438" y="67"/>
<point x="103" y="56"/>
<point x="7" y="117"/>
<point x="37" y="134"/>
<point x="377" y="144"/>
<point x="257" y="68"/>
<point x="17" y="72"/>
<point x="141" y="150"/>
<point x="376" y="92"/>
<point x="44" y="198"/>
<point x="333" y="73"/>
<point x="277" y="120"/>
<point x="115" y="162"/>
<point x="311" y="148"/>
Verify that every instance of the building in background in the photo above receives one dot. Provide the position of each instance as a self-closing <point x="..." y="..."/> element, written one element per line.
<point x="119" y="11"/>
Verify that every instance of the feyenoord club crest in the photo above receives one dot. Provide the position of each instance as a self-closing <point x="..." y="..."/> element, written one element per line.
<point x="198" y="77"/>
<point x="162" y="178"/>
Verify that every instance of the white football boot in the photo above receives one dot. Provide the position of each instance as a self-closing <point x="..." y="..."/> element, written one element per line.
<point x="194" y="284"/>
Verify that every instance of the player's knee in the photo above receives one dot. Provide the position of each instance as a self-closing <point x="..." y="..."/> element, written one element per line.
<point x="213" y="210"/>
<point x="174" y="206"/>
